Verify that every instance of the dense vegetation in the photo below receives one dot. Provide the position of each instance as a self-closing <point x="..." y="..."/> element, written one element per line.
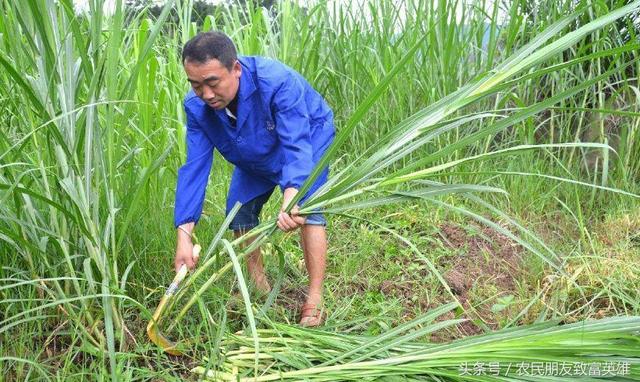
<point x="491" y="126"/>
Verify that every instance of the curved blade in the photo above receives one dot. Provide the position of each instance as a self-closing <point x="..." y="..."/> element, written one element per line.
<point x="153" y="328"/>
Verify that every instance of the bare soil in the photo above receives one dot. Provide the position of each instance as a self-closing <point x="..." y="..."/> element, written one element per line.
<point x="483" y="258"/>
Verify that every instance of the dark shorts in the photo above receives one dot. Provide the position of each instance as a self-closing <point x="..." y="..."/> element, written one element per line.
<point x="249" y="215"/>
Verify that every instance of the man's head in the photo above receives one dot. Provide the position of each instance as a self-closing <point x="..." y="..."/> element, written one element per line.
<point x="211" y="63"/>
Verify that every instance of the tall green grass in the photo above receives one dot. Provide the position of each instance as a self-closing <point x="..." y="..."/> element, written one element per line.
<point x="93" y="134"/>
<point x="81" y="151"/>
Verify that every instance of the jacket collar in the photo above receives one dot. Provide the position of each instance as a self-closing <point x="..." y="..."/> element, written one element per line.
<point x="247" y="84"/>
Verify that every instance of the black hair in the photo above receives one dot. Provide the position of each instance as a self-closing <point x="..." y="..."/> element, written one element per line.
<point x="210" y="45"/>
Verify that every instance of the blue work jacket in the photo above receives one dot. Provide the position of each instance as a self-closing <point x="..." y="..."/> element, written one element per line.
<point x="283" y="128"/>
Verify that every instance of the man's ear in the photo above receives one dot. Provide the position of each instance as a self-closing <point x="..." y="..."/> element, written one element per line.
<point x="237" y="69"/>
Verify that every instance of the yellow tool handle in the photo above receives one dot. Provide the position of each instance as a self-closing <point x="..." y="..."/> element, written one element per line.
<point x="182" y="272"/>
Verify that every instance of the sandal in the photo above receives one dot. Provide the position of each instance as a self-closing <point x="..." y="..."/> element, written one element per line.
<point x="311" y="316"/>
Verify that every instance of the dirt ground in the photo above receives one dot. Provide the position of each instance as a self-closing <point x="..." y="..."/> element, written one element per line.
<point x="488" y="257"/>
<point x="482" y="257"/>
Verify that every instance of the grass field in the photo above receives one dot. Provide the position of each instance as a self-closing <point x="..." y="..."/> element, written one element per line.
<point x="487" y="157"/>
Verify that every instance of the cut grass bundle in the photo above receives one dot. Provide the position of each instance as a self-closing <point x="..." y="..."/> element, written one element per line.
<point x="543" y="351"/>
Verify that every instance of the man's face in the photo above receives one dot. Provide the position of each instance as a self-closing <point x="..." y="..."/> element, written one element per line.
<point x="213" y="82"/>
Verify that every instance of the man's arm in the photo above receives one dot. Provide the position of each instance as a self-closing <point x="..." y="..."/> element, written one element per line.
<point x="294" y="131"/>
<point x="191" y="187"/>
<point x="193" y="175"/>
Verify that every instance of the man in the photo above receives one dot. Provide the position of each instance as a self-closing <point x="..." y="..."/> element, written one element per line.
<point x="264" y="118"/>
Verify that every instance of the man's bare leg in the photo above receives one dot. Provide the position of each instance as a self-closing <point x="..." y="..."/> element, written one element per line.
<point x="314" y="247"/>
<point x="255" y="266"/>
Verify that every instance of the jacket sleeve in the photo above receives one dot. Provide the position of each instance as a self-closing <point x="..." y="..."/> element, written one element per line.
<point x="193" y="176"/>
<point x="294" y="132"/>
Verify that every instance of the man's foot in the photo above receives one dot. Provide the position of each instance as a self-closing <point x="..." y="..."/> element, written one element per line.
<point x="255" y="267"/>
<point x="260" y="281"/>
<point x="311" y="315"/>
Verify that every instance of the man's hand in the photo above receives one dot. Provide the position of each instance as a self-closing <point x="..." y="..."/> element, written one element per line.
<point x="184" y="249"/>
<point x="289" y="222"/>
